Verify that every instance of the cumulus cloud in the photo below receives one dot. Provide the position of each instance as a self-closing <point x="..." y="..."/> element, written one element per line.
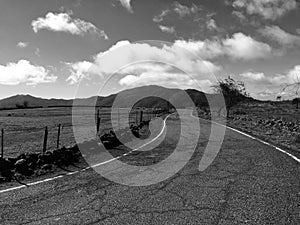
<point x="290" y="77"/>
<point x="171" y="80"/>
<point x="253" y="76"/>
<point x="78" y="70"/>
<point x="22" y="44"/>
<point x="193" y="57"/>
<point x="207" y="49"/>
<point x="264" y="87"/>
<point x="160" y="74"/>
<point x="63" y="22"/>
<point x="166" y="29"/>
<point x="239" y="46"/>
<point x="24" y="72"/>
<point x="282" y="37"/>
<point x="268" y="9"/>
<point x="293" y="75"/>
<point x="127" y="4"/>
<point x="110" y="62"/>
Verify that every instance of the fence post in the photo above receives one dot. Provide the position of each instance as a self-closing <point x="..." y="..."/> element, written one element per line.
<point x="2" y="143"/>
<point x="58" y="135"/>
<point x="45" y="140"/>
<point x="141" y="116"/>
<point x="119" y="118"/>
<point x="98" y="121"/>
<point x="136" y="116"/>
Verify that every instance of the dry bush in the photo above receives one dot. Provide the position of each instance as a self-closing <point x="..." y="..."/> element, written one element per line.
<point x="297" y="138"/>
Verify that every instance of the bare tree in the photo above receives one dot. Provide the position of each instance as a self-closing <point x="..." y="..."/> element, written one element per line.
<point x="293" y="89"/>
<point x="233" y="92"/>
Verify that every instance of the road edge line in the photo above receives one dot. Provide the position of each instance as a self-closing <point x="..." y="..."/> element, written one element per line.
<point x="254" y="138"/>
<point x="89" y="167"/>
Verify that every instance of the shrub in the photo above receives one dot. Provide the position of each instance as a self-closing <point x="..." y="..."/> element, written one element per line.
<point x="297" y="138"/>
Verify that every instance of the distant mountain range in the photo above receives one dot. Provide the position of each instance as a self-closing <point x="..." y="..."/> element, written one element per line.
<point x="199" y="98"/>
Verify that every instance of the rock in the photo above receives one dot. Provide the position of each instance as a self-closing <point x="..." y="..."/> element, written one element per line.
<point x="20" y="176"/>
<point x="6" y="169"/>
<point x="107" y="144"/>
<point x="32" y="159"/>
<point x="47" y="157"/>
<point x="74" y="148"/>
<point x="22" y="167"/>
<point x="21" y="163"/>
<point x="46" y="167"/>
<point x="12" y="161"/>
<point x="22" y="156"/>
<point x="40" y="162"/>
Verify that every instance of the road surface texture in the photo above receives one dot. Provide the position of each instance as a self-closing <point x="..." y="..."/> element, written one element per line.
<point x="247" y="183"/>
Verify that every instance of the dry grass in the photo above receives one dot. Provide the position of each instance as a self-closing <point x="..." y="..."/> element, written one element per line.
<point x="24" y="128"/>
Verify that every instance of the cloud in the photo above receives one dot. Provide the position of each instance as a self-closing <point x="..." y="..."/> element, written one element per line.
<point x="126" y="4"/>
<point x="253" y="76"/>
<point x="207" y="49"/>
<point x="24" y="72"/>
<point x="110" y="61"/>
<point x="267" y="93"/>
<point x="166" y="29"/>
<point x="289" y="81"/>
<point x="275" y="33"/>
<point x="81" y="70"/>
<point x="22" y="44"/>
<point x="211" y="24"/>
<point x="293" y="75"/>
<point x="37" y="52"/>
<point x="161" y="74"/>
<point x="192" y="56"/>
<point x="171" y="80"/>
<point x="183" y="10"/>
<point x="159" y="18"/>
<point x="63" y="22"/>
<point x="240" y="46"/>
<point x="268" y="9"/>
<point x="239" y="15"/>
<point x="290" y="77"/>
<point x="176" y="8"/>
<point x="265" y="87"/>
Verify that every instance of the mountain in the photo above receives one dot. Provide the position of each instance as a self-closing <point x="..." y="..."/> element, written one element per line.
<point x="24" y="101"/>
<point x="125" y="98"/>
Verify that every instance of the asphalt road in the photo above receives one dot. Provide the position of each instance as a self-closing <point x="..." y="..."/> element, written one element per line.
<point x="247" y="183"/>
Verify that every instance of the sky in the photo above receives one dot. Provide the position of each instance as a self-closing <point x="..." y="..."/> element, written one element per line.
<point x="52" y="49"/>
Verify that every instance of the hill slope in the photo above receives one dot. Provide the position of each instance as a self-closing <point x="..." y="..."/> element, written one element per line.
<point x="126" y="97"/>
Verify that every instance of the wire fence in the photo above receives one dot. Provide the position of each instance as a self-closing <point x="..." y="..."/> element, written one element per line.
<point x="40" y="134"/>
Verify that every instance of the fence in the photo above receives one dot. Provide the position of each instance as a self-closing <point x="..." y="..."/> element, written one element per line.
<point x="12" y="144"/>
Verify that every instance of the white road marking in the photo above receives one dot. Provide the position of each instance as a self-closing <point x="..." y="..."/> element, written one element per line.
<point x="160" y="133"/>
<point x="71" y="173"/>
<point x="254" y="138"/>
<point x="89" y="167"/>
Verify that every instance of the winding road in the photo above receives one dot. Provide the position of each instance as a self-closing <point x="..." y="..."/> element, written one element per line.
<point x="247" y="183"/>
